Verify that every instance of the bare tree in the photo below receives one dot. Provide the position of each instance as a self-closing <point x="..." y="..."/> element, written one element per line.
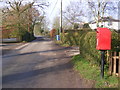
<point x="99" y="8"/>
<point x="74" y="12"/>
<point x="56" y="23"/>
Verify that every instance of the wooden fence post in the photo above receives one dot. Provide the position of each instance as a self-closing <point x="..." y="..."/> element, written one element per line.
<point x="110" y="63"/>
<point x="119" y="66"/>
<point x="114" y="65"/>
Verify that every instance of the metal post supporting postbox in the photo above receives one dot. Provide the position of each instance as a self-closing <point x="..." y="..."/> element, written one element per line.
<point x="102" y="62"/>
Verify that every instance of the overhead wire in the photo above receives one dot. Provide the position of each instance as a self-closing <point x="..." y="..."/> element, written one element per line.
<point x="54" y="7"/>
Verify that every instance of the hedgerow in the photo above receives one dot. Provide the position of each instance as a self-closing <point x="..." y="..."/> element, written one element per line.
<point x="86" y="40"/>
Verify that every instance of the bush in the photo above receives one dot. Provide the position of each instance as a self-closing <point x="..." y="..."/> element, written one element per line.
<point x="6" y="33"/>
<point x="88" y="47"/>
<point x="28" y="37"/>
<point x="115" y="41"/>
<point x="22" y="35"/>
<point x="86" y="25"/>
<point x="70" y="38"/>
<point x="76" y="26"/>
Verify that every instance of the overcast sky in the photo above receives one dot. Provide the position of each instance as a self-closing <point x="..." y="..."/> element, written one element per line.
<point x="53" y="12"/>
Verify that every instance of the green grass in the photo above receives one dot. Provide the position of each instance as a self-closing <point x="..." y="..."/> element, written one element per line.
<point x="92" y="72"/>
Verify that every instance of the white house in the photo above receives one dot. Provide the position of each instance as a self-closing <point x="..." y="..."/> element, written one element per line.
<point x="106" y="22"/>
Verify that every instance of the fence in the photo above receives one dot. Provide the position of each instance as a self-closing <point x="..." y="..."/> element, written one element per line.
<point x="114" y="63"/>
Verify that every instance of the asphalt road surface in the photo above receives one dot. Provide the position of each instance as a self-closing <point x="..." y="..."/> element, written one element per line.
<point x="40" y="64"/>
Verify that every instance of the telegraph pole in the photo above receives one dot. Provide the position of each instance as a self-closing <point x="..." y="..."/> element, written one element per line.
<point x="61" y="19"/>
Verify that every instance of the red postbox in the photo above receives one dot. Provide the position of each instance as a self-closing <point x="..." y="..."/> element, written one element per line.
<point x="103" y="39"/>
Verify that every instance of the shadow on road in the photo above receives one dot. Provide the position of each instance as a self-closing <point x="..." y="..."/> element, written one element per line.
<point x="7" y="56"/>
<point x="40" y="39"/>
<point x="5" y="51"/>
<point x="33" y="73"/>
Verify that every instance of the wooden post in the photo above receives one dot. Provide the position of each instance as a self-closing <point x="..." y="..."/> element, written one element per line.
<point x="119" y="66"/>
<point x="110" y="63"/>
<point x="108" y="55"/>
<point x="114" y="65"/>
<point x="119" y="72"/>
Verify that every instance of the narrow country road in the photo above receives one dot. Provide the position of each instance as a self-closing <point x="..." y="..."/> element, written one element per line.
<point x="40" y="64"/>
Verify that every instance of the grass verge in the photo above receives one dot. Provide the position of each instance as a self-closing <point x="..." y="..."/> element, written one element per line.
<point x="92" y="72"/>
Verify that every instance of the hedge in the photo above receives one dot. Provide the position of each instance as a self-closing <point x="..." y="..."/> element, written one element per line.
<point x="86" y="40"/>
